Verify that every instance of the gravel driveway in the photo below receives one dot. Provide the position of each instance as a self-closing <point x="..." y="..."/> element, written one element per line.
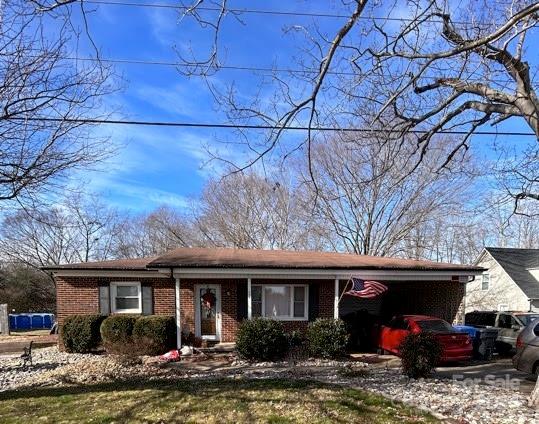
<point x="499" y="371"/>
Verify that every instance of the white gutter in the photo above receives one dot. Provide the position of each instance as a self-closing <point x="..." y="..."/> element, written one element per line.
<point x="110" y="273"/>
<point x="323" y="274"/>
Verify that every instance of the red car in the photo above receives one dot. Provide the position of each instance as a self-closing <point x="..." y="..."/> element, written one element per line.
<point x="456" y="346"/>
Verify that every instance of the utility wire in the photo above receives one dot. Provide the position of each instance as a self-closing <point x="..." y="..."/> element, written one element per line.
<point x="237" y="67"/>
<point x="259" y="11"/>
<point x="260" y="127"/>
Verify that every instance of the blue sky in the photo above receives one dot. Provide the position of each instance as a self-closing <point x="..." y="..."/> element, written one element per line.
<point x="156" y="165"/>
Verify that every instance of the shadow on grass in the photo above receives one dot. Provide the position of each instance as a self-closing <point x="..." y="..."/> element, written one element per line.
<point x="191" y="386"/>
<point x="133" y="399"/>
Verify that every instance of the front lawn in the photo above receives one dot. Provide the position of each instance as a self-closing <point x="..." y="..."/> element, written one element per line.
<point x="234" y="401"/>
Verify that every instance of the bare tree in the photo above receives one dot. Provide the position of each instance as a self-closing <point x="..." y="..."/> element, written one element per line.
<point x="462" y="68"/>
<point x="251" y="211"/>
<point x="26" y="289"/>
<point x="451" y="235"/>
<point x="78" y="230"/>
<point x="47" y="102"/>
<point x="443" y="67"/>
<point x="374" y="204"/>
<point x="154" y="233"/>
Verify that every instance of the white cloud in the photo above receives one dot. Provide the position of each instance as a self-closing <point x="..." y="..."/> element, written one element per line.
<point x="131" y="194"/>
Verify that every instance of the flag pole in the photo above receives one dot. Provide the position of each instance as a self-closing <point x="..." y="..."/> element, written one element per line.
<point x="344" y="290"/>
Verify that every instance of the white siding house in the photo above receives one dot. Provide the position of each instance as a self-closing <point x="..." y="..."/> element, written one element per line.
<point x="510" y="282"/>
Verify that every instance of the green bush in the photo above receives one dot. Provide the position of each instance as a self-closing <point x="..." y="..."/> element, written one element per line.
<point x="295" y="339"/>
<point x="420" y="353"/>
<point x="261" y="339"/>
<point x="117" y="334"/>
<point x="80" y="333"/>
<point x="327" y="338"/>
<point x="154" y="335"/>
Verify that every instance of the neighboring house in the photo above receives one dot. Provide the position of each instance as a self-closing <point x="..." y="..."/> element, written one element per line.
<point x="210" y="291"/>
<point x="510" y="282"/>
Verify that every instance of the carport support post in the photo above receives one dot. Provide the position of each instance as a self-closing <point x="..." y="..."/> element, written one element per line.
<point x="336" y="302"/>
<point x="178" y="315"/>
<point x="249" y="303"/>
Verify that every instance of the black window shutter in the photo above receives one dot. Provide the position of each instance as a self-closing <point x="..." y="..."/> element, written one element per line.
<point x="104" y="300"/>
<point x="241" y="302"/>
<point x="313" y="301"/>
<point x="147" y="300"/>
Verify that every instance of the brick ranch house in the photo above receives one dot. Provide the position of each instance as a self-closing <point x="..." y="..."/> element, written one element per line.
<point x="210" y="291"/>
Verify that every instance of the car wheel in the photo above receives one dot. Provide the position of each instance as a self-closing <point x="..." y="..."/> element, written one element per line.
<point x="503" y="348"/>
<point x="535" y="372"/>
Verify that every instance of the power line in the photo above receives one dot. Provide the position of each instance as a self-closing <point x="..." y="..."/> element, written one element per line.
<point x="260" y="127"/>
<point x="259" y="11"/>
<point x="237" y="67"/>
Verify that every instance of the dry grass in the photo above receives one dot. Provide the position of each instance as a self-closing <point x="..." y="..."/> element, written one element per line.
<point x="195" y="401"/>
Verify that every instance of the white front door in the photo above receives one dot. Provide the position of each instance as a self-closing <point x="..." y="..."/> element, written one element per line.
<point x="208" y="311"/>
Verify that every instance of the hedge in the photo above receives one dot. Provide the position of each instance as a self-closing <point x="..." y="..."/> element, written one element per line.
<point x="154" y="335"/>
<point x="261" y="339"/>
<point x="327" y="338"/>
<point x="81" y="333"/>
<point x="117" y="334"/>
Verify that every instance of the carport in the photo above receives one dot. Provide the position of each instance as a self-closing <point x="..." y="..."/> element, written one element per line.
<point x="440" y="296"/>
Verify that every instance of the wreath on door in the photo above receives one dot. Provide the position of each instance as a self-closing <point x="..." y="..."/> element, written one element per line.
<point x="208" y="299"/>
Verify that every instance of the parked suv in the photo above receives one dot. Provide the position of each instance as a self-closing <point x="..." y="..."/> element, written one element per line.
<point x="508" y="323"/>
<point x="527" y="356"/>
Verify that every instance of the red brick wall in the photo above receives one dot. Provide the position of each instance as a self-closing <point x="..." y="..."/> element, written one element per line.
<point x="229" y="300"/>
<point x="80" y="295"/>
<point x="76" y="295"/>
<point x="326" y="299"/>
<point x="164" y="298"/>
<point x="439" y="299"/>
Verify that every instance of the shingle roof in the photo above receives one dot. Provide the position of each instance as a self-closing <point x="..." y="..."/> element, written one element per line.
<point x="277" y="259"/>
<point x="517" y="262"/>
<point x="250" y="258"/>
<point x="119" y="264"/>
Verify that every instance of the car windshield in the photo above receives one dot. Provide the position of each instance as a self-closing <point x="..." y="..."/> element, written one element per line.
<point x="435" y="325"/>
<point x="480" y="319"/>
<point x="527" y="318"/>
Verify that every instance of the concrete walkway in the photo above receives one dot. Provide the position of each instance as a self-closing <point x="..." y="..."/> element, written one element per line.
<point x="16" y="343"/>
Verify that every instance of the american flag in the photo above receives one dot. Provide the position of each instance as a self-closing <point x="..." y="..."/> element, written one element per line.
<point x="366" y="289"/>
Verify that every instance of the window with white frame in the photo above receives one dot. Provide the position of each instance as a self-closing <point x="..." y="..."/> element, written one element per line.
<point x="286" y="302"/>
<point x="126" y="297"/>
<point x="485" y="281"/>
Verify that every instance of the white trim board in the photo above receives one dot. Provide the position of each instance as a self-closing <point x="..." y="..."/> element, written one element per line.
<point x="312" y="274"/>
<point x="320" y="274"/>
<point x="108" y="273"/>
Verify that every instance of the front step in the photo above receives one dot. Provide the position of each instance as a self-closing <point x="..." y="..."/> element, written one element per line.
<point x="218" y="347"/>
